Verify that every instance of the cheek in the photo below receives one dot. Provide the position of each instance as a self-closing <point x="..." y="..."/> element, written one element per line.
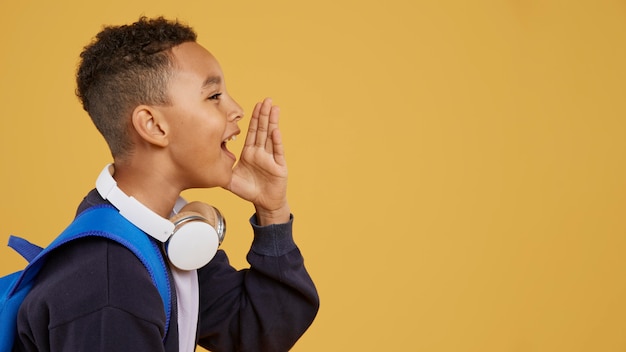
<point x="205" y="140"/>
<point x="199" y="126"/>
<point x="213" y="127"/>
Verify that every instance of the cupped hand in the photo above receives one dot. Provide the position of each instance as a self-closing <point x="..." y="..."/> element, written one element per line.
<point x="260" y="176"/>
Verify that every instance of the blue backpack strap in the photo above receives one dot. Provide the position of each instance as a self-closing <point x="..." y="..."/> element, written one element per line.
<point x="103" y="221"/>
<point x="26" y="249"/>
<point x="8" y="309"/>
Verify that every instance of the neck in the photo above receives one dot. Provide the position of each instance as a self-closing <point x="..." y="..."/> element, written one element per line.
<point x="150" y="185"/>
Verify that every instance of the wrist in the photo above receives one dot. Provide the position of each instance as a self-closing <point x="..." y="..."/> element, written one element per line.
<point x="265" y="217"/>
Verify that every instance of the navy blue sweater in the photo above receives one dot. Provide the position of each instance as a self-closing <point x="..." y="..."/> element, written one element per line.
<point x="95" y="295"/>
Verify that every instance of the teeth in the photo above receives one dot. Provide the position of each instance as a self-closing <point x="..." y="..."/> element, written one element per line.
<point x="233" y="138"/>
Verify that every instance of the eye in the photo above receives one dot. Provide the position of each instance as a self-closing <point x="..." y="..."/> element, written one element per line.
<point x="215" y="96"/>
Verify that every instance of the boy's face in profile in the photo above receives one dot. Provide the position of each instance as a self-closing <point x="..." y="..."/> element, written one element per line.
<point x="201" y="118"/>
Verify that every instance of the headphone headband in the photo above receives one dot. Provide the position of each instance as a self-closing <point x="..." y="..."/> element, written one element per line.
<point x="131" y="209"/>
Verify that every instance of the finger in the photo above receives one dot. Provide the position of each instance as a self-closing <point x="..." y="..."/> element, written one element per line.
<point x="272" y="125"/>
<point x="279" y="149"/>
<point x="263" y="124"/>
<point x="254" y="122"/>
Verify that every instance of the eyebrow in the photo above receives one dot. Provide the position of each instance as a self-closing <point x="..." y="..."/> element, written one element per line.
<point x="212" y="80"/>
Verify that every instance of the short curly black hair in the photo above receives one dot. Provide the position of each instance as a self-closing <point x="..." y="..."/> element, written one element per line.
<point x="126" y="66"/>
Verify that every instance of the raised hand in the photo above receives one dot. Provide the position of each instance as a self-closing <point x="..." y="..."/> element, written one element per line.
<point x="260" y="176"/>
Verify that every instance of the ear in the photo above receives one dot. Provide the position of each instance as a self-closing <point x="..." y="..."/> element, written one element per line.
<point x="150" y="125"/>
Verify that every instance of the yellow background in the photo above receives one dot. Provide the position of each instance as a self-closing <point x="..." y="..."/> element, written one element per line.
<point x="457" y="168"/>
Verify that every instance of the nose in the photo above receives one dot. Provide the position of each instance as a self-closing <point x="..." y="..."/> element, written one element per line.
<point x="236" y="112"/>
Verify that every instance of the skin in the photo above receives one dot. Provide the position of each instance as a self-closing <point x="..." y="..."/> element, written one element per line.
<point x="180" y="146"/>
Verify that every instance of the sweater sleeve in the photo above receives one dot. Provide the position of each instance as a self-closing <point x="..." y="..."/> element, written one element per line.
<point x="264" y="308"/>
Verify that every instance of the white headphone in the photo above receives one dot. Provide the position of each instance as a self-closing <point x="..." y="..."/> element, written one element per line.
<point x="189" y="238"/>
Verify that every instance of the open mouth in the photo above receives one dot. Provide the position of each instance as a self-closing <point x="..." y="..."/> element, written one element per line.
<point x="231" y="138"/>
<point x="224" y="148"/>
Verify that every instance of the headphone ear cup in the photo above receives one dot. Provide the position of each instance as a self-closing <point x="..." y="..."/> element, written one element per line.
<point x="208" y="212"/>
<point x="204" y="210"/>
<point x="195" y="240"/>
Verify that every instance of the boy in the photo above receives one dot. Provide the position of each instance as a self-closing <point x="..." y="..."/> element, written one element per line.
<point x="160" y="101"/>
